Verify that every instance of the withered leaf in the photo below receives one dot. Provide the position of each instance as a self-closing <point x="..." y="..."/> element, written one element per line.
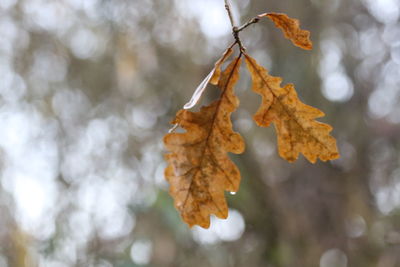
<point x="291" y="29"/>
<point x="217" y="67"/>
<point x="199" y="169"/>
<point x="296" y="127"/>
<point x="212" y="77"/>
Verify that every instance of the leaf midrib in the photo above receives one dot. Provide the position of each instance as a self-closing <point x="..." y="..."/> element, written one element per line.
<point x="210" y="133"/>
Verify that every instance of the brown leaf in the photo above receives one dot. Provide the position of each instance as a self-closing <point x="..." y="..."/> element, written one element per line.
<point x="212" y="77"/>
<point x="199" y="169"/>
<point x="296" y="127"/>
<point x="217" y="73"/>
<point x="291" y="29"/>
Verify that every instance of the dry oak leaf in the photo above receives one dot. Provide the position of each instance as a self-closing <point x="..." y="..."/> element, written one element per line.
<point x="295" y="124"/>
<point x="291" y="29"/>
<point x="199" y="169"/>
<point x="212" y="77"/>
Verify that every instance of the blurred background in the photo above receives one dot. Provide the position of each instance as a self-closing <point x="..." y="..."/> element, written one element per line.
<point x="87" y="92"/>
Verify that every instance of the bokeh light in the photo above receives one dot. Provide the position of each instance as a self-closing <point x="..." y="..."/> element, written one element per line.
<point x="87" y="89"/>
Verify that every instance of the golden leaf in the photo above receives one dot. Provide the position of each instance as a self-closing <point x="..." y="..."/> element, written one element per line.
<point x="212" y="77"/>
<point x="296" y="127"/>
<point x="199" y="169"/>
<point x="291" y="29"/>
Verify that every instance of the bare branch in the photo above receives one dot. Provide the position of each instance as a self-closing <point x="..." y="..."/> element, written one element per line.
<point x="235" y="29"/>
<point x="229" y="10"/>
<point x="248" y="23"/>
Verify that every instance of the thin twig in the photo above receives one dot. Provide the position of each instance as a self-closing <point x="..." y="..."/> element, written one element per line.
<point x="228" y="9"/>
<point x="235" y="29"/>
<point x="235" y="33"/>
<point x="248" y="23"/>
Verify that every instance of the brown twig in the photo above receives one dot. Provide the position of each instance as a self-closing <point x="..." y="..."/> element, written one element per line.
<point x="248" y="23"/>
<point x="228" y="9"/>
<point x="235" y="33"/>
<point x="235" y="29"/>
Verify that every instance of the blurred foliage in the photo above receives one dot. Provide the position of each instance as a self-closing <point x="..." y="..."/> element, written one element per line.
<point x="86" y="92"/>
